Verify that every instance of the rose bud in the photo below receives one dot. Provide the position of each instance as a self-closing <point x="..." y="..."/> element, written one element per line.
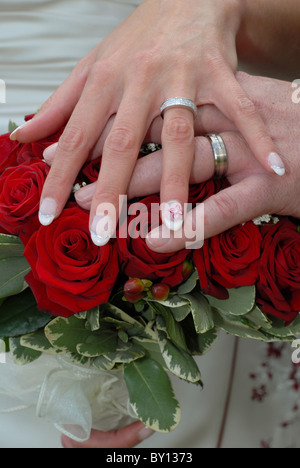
<point x="134" y="286"/>
<point x="160" y="292"/>
<point x="187" y="268"/>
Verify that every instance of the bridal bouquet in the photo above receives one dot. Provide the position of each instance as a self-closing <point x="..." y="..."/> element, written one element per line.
<point x="124" y="309"/>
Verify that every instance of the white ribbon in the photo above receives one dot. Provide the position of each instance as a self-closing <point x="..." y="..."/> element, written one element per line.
<point x="76" y="399"/>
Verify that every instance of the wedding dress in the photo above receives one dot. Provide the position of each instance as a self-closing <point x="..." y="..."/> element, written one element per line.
<point x="250" y="397"/>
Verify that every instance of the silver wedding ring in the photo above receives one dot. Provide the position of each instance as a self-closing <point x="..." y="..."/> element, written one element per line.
<point x="220" y="155"/>
<point x="177" y="102"/>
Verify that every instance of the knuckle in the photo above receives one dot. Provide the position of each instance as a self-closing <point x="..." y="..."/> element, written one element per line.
<point x="101" y="73"/>
<point x="225" y="205"/>
<point x="178" y="128"/>
<point x="244" y="106"/>
<point x="174" y="180"/>
<point x="107" y="195"/>
<point x="72" y="139"/>
<point x="121" y="141"/>
<point x="213" y="61"/>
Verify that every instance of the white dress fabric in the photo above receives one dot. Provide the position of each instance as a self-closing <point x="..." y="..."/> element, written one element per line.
<point x="251" y="393"/>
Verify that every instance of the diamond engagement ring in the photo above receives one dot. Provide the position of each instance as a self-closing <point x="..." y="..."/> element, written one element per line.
<point x="179" y="102"/>
<point x="220" y="155"/>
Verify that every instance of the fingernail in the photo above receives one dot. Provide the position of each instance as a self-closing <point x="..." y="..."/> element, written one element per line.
<point x="47" y="211"/>
<point x="145" y="433"/>
<point x="172" y="214"/>
<point x="13" y="135"/>
<point x="101" y="230"/>
<point x="158" y="237"/>
<point x="50" y="152"/>
<point x="276" y="163"/>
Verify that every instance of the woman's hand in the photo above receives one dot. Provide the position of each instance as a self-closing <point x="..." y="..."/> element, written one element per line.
<point x="253" y="192"/>
<point x="166" y="48"/>
<point x="127" y="437"/>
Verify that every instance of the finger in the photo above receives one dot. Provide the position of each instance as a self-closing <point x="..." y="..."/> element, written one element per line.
<point x="178" y="154"/>
<point x="233" y="206"/>
<point x="119" y="157"/>
<point x="56" y="111"/>
<point x="238" y="107"/>
<point x="79" y="137"/>
<point x="127" y="437"/>
<point x="209" y="120"/>
<point x="147" y="173"/>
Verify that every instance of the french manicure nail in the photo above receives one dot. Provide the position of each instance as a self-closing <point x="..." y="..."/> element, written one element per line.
<point x="172" y="214"/>
<point x="101" y="230"/>
<point x="47" y="211"/>
<point x="13" y="135"/>
<point x="276" y="163"/>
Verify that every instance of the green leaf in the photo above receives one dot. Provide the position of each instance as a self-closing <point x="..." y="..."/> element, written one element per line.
<point x="10" y="246"/>
<point x="19" y="315"/>
<point x="12" y="126"/>
<point x="259" y="319"/>
<point x="38" y="342"/>
<point x="122" y="335"/>
<point x="201" y="311"/>
<point x="172" y="301"/>
<point x="126" y="353"/>
<point x="178" y="361"/>
<point x="241" y="301"/>
<point x="102" y="363"/>
<point x="234" y="325"/>
<point x="152" y="349"/>
<point x="174" y="330"/>
<point x="189" y="285"/>
<point x="12" y="273"/>
<point x="93" y="317"/>
<point x="20" y="354"/>
<point x="180" y="313"/>
<point x="203" y="343"/>
<point x="123" y="316"/>
<point x="71" y="335"/>
<point x="151" y="395"/>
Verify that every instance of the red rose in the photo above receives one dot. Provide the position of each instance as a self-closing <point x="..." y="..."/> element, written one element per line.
<point x="7" y="152"/>
<point x="20" y="192"/>
<point x="278" y="286"/>
<point x="201" y="192"/>
<point x="69" y="273"/>
<point x="91" y="169"/>
<point x="137" y="260"/>
<point x="235" y="255"/>
<point x="202" y="262"/>
<point x="29" y="153"/>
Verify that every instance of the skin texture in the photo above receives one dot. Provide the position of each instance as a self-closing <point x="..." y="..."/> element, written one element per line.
<point x="170" y="49"/>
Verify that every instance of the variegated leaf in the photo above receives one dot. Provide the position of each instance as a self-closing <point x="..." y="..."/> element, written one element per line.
<point x="151" y="395"/>
<point x="178" y="361"/>
<point x="20" y="354"/>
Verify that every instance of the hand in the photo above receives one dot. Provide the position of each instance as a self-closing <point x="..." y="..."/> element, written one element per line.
<point x="164" y="49"/>
<point x="254" y="192"/>
<point x="127" y="437"/>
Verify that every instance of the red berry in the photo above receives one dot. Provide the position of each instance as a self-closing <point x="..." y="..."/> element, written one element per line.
<point x="133" y="298"/>
<point x="160" y="292"/>
<point x="134" y="286"/>
<point x="187" y="269"/>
